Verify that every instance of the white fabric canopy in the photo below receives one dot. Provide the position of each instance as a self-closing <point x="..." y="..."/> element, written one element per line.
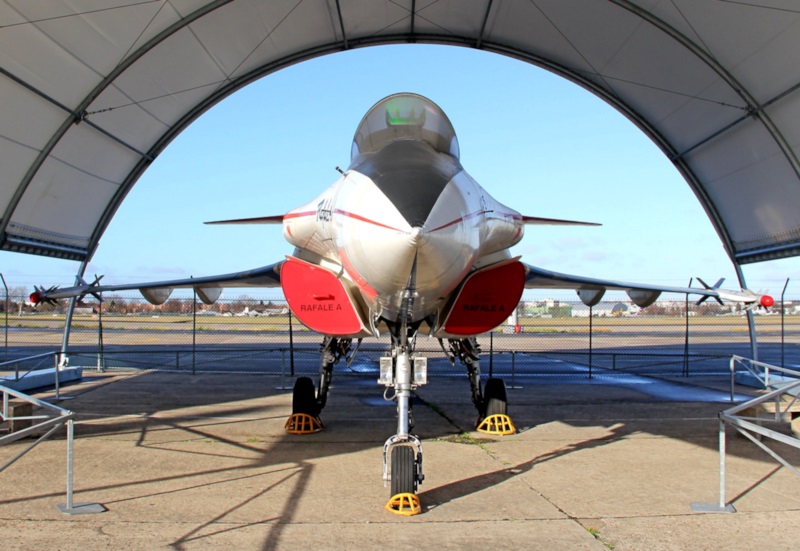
<point x="93" y="90"/>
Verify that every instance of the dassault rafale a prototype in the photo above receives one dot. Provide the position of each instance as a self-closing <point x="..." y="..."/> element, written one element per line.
<point x="405" y="242"/>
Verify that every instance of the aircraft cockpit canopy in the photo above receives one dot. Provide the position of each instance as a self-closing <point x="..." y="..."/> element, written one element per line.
<point x="404" y="116"/>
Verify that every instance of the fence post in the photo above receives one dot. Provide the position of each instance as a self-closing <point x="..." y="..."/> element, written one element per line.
<point x="6" y="315"/>
<point x="101" y="361"/>
<point x="291" y="346"/>
<point x="783" y="327"/>
<point x="491" y="354"/>
<point x="194" y="331"/>
<point x="591" y="350"/>
<point x="686" y="335"/>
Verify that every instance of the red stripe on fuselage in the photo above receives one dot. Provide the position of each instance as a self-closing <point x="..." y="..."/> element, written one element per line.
<point x="461" y="219"/>
<point x="300" y="214"/>
<point x="363" y="219"/>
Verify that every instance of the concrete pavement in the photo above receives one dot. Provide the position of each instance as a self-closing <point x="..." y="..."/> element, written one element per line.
<point x="203" y="462"/>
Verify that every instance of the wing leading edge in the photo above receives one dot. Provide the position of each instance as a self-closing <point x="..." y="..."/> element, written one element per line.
<point x="591" y="290"/>
<point x="208" y="288"/>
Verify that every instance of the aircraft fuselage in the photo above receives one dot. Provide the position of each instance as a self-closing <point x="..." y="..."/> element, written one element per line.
<point x="405" y="223"/>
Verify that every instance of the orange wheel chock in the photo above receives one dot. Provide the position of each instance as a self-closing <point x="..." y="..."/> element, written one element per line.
<point x="404" y="504"/>
<point x="497" y="424"/>
<point x="302" y="423"/>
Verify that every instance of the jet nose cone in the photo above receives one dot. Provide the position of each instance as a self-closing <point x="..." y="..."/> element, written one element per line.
<point x="415" y="236"/>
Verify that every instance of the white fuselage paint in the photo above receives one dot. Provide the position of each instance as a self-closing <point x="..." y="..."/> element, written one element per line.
<point x="353" y="224"/>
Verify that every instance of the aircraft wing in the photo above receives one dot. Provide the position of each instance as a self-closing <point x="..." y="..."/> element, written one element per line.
<point x="591" y="290"/>
<point x="208" y="288"/>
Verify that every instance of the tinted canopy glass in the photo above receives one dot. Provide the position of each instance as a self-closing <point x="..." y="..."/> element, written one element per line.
<point x="404" y="116"/>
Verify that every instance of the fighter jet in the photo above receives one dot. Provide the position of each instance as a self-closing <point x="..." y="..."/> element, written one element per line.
<point x="405" y="242"/>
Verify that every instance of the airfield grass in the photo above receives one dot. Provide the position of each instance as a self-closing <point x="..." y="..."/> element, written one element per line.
<point x="184" y="322"/>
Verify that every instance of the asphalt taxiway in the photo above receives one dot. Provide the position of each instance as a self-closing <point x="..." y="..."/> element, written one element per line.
<point x="203" y="462"/>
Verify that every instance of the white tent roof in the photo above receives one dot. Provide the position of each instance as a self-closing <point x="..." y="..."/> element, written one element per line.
<point x="92" y="91"/>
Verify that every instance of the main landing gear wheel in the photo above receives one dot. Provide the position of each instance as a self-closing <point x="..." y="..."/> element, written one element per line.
<point x="404" y="500"/>
<point x="305" y="410"/>
<point x="495" y="410"/>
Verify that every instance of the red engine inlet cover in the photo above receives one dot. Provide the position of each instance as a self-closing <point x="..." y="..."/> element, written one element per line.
<point x="319" y="299"/>
<point x="486" y="299"/>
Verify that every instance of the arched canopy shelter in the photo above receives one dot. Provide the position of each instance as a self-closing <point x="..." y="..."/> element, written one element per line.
<point x="93" y="91"/>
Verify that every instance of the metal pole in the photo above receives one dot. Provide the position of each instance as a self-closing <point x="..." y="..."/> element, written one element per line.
<point x="721" y="465"/>
<point x="783" y="330"/>
<point x="751" y="323"/>
<point x="6" y="315"/>
<point x="100" y="356"/>
<point x="491" y="354"/>
<point x="194" y="330"/>
<point x="68" y="319"/>
<point x="686" y="336"/>
<point x="590" y="340"/>
<point x="291" y="346"/>
<point x="70" y="438"/>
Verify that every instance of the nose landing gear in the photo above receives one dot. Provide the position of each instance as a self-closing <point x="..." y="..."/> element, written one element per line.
<point x="404" y="373"/>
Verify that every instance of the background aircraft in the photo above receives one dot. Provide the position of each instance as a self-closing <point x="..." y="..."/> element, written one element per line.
<point x="405" y="242"/>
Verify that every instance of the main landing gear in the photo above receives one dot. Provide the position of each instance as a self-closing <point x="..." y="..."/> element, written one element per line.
<point x="492" y="403"/>
<point x="306" y="405"/>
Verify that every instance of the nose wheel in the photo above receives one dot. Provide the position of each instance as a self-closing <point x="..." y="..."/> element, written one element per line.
<point x="405" y="476"/>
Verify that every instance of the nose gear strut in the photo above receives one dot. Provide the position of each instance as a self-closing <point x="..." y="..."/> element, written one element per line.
<point x="403" y="450"/>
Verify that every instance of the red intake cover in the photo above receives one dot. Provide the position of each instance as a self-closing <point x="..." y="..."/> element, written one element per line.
<point x="319" y="299"/>
<point x="486" y="299"/>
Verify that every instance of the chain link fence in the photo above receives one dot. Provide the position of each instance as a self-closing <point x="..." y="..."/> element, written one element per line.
<point x="259" y="336"/>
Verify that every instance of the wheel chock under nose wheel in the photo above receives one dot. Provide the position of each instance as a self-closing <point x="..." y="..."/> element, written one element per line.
<point x="404" y="504"/>
<point x="303" y="423"/>
<point x="498" y="424"/>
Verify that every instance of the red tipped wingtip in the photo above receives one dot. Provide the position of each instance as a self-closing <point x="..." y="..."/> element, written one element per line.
<point x="766" y="301"/>
<point x="35" y="298"/>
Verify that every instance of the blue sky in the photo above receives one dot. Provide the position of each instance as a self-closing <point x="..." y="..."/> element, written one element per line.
<point x="535" y="141"/>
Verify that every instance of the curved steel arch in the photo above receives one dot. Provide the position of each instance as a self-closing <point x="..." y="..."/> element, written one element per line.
<point x="699" y="148"/>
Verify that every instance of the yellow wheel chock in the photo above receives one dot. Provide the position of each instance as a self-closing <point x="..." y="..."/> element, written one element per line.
<point x="497" y="424"/>
<point x="302" y="423"/>
<point x="404" y="504"/>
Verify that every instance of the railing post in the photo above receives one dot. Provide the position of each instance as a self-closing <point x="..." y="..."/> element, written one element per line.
<point x="722" y="452"/>
<point x="71" y="508"/>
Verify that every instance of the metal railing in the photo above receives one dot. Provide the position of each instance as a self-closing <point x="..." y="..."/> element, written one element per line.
<point x="750" y="427"/>
<point x="27" y="371"/>
<point x="50" y="423"/>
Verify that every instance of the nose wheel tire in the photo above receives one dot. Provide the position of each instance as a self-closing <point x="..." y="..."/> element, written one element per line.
<point x="404" y="500"/>
<point x="403" y="471"/>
